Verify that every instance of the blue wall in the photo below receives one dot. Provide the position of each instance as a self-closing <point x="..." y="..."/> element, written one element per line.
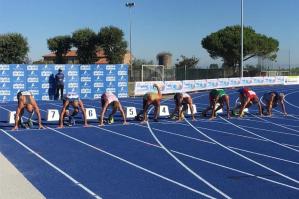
<point x="90" y="81"/>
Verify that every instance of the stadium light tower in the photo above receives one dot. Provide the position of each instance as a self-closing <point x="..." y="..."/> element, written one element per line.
<point x="241" y="68"/>
<point x="130" y="5"/>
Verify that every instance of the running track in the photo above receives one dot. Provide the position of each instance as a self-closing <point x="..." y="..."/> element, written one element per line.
<point x="252" y="157"/>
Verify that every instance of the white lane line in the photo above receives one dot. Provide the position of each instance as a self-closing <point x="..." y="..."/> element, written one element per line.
<point x="182" y="164"/>
<point x="53" y="166"/>
<point x="257" y="163"/>
<point x="132" y="164"/>
<point x="185" y="166"/>
<point x="238" y="149"/>
<point x="272" y="141"/>
<point x="128" y="162"/>
<point x="257" y="120"/>
<point x="199" y="159"/>
<point x="268" y="130"/>
<point x="246" y="137"/>
<point x="233" y="134"/>
<point x="291" y="103"/>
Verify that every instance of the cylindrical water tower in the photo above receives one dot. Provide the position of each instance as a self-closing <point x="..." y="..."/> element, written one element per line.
<point x="164" y="58"/>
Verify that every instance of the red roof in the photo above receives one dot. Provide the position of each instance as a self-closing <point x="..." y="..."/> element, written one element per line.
<point x="73" y="53"/>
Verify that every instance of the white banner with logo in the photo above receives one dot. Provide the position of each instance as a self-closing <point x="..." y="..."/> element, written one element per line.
<point x="207" y="84"/>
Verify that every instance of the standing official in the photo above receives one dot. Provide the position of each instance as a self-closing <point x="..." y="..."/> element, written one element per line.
<point x="59" y="84"/>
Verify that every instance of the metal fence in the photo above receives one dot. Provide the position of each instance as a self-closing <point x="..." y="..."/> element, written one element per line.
<point x="181" y="73"/>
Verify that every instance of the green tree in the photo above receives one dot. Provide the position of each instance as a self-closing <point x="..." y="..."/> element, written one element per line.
<point x="137" y="63"/>
<point x="60" y="45"/>
<point x="188" y="62"/>
<point x="225" y="44"/>
<point x="113" y="43"/>
<point x="13" y="48"/>
<point x="85" y="40"/>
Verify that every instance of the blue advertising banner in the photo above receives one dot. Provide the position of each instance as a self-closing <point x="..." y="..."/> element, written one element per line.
<point x="110" y="83"/>
<point x="47" y="82"/>
<point x="19" y="79"/>
<point x="122" y="79"/>
<point x="85" y="82"/>
<point x="5" y="83"/>
<point x="71" y="79"/>
<point x="98" y="78"/>
<point x="33" y="84"/>
<point x="89" y="81"/>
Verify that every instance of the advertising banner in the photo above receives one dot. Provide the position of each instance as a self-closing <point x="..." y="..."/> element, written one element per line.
<point x="47" y="81"/>
<point x="235" y="82"/>
<point x="143" y="87"/>
<point x="71" y="78"/>
<point x="246" y="81"/>
<point x="85" y="81"/>
<point x="33" y="83"/>
<point x="200" y="84"/>
<point x="89" y="81"/>
<point x="212" y="83"/>
<point x="5" y="83"/>
<point x="280" y="79"/>
<point x="257" y="80"/>
<point x="19" y="79"/>
<point x="122" y="81"/>
<point x="98" y="78"/>
<point x="172" y="87"/>
<point x="269" y="80"/>
<point x="290" y="80"/>
<point x="188" y="85"/>
<point x="223" y="82"/>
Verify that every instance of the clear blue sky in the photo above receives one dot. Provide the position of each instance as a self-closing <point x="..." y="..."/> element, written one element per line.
<point x="157" y="25"/>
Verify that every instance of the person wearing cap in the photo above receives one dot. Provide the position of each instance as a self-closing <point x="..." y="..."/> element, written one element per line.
<point x="247" y="98"/>
<point x="109" y="99"/>
<point x="71" y="99"/>
<point x="26" y="101"/>
<point x="217" y="96"/>
<point x="59" y="84"/>
<point x="271" y="100"/>
<point x="182" y="100"/>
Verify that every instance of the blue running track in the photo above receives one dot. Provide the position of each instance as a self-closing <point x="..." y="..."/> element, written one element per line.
<point x="253" y="157"/>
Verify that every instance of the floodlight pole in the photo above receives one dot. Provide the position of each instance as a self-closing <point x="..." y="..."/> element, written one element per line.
<point x="130" y="5"/>
<point x="185" y="73"/>
<point x="241" y="68"/>
<point x="289" y="61"/>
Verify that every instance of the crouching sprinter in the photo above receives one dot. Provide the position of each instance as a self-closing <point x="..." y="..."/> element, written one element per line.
<point x="26" y="101"/>
<point x="109" y="99"/>
<point x="71" y="99"/>
<point x="182" y="100"/>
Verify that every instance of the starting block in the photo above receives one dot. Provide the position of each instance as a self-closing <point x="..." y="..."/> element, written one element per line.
<point x="236" y="111"/>
<point x="91" y="113"/>
<point x="220" y="110"/>
<point x="189" y="110"/>
<point x="164" y="111"/>
<point x="53" y="115"/>
<point x="131" y="112"/>
<point x="11" y="117"/>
